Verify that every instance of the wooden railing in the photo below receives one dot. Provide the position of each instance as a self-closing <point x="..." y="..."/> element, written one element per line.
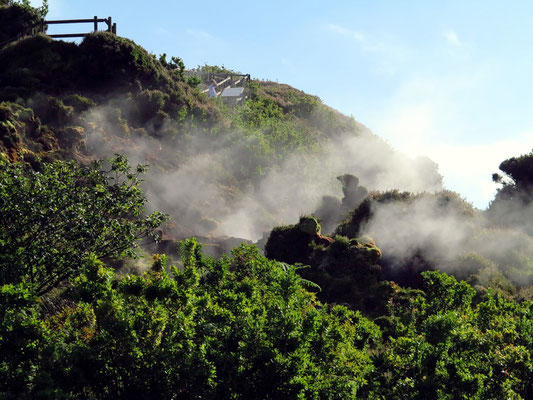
<point x="111" y="27"/>
<point x="223" y="81"/>
<point x="41" y="27"/>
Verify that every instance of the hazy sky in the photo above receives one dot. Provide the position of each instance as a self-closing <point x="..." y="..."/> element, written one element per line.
<point x="447" y="79"/>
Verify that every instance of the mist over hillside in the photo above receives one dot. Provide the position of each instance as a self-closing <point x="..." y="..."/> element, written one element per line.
<point x="217" y="170"/>
<point x="162" y="240"/>
<point x="207" y="196"/>
<point x="239" y="171"/>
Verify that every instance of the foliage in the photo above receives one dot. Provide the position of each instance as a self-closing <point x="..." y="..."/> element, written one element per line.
<point x="18" y="18"/>
<point x="239" y="327"/>
<point x="38" y="63"/>
<point x="245" y="327"/>
<point x="78" y="103"/>
<point x="41" y="11"/>
<point x="207" y="70"/>
<point x="175" y="65"/>
<point x="54" y="218"/>
<point x="519" y="170"/>
<point x="125" y="62"/>
<point x="442" y="346"/>
<point x="345" y="270"/>
<point x="513" y="202"/>
<point x="10" y="126"/>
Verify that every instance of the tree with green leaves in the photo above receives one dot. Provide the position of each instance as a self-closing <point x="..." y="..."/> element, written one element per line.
<point x="41" y="11"/>
<point x="444" y="343"/>
<point x="240" y="327"/>
<point x="56" y="217"/>
<point x="513" y="203"/>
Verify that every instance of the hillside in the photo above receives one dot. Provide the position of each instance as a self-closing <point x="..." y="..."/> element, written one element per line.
<point x="341" y="268"/>
<point x="228" y="174"/>
<point x="108" y="95"/>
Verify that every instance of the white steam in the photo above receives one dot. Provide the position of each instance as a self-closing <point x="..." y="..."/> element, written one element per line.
<point x="202" y="188"/>
<point x="208" y="186"/>
<point x="451" y="239"/>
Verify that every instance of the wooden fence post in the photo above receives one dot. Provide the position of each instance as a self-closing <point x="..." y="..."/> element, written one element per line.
<point x="95" y="23"/>
<point x="109" y="25"/>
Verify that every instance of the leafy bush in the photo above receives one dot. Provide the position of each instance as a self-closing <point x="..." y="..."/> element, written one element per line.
<point x="345" y="270"/>
<point x="78" y="102"/>
<point x="38" y="63"/>
<point x="444" y="347"/>
<point x="239" y="327"/>
<point x="56" y="217"/>
<point x="18" y="19"/>
<point x="22" y="133"/>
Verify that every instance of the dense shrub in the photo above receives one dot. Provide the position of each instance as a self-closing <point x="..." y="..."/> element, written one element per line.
<point x="56" y="217"/>
<point x="239" y="327"/>
<point x="17" y="20"/>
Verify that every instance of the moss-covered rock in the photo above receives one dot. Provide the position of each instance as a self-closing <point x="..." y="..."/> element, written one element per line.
<point x="345" y="269"/>
<point x="21" y="130"/>
<point x="309" y="225"/>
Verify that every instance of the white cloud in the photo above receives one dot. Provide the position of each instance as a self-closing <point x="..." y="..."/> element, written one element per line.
<point x="452" y="37"/>
<point x="199" y="34"/>
<point x="357" y="36"/>
<point x="388" y="53"/>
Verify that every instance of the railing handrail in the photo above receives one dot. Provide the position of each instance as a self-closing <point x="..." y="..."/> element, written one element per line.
<point x="227" y="82"/>
<point x="40" y="27"/>
<point x="111" y="27"/>
<point x="75" y="21"/>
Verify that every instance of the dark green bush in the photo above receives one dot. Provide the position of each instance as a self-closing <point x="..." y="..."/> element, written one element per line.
<point x="78" y="102"/>
<point x="17" y="20"/>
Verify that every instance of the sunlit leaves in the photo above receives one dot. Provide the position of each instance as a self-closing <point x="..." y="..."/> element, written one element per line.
<point x="54" y="218"/>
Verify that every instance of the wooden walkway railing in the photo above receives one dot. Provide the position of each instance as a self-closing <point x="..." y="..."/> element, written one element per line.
<point x="223" y="81"/>
<point x="111" y="27"/>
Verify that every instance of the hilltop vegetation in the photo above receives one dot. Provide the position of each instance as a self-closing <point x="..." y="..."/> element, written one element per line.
<point x="108" y="95"/>
<point x="388" y="286"/>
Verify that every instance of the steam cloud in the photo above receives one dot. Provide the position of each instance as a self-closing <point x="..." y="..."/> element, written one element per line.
<point x="450" y="239"/>
<point x="202" y="192"/>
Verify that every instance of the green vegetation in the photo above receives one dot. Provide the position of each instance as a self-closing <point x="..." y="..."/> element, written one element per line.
<point x="346" y="271"/>
<point x="317" y="317"/>
<point x="18" y="18"/>
<point x="240" y="327"/>
<point x="515" y="195"/>
<point x="57" y="217"/>
<point x="153" y="96"/>
<point x="442" y="345"/>
<point x="246" y="327"/>
<point x="237" y="327"/>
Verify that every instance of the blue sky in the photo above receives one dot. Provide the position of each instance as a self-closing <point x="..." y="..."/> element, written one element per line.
<point x="448" y="79"/>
